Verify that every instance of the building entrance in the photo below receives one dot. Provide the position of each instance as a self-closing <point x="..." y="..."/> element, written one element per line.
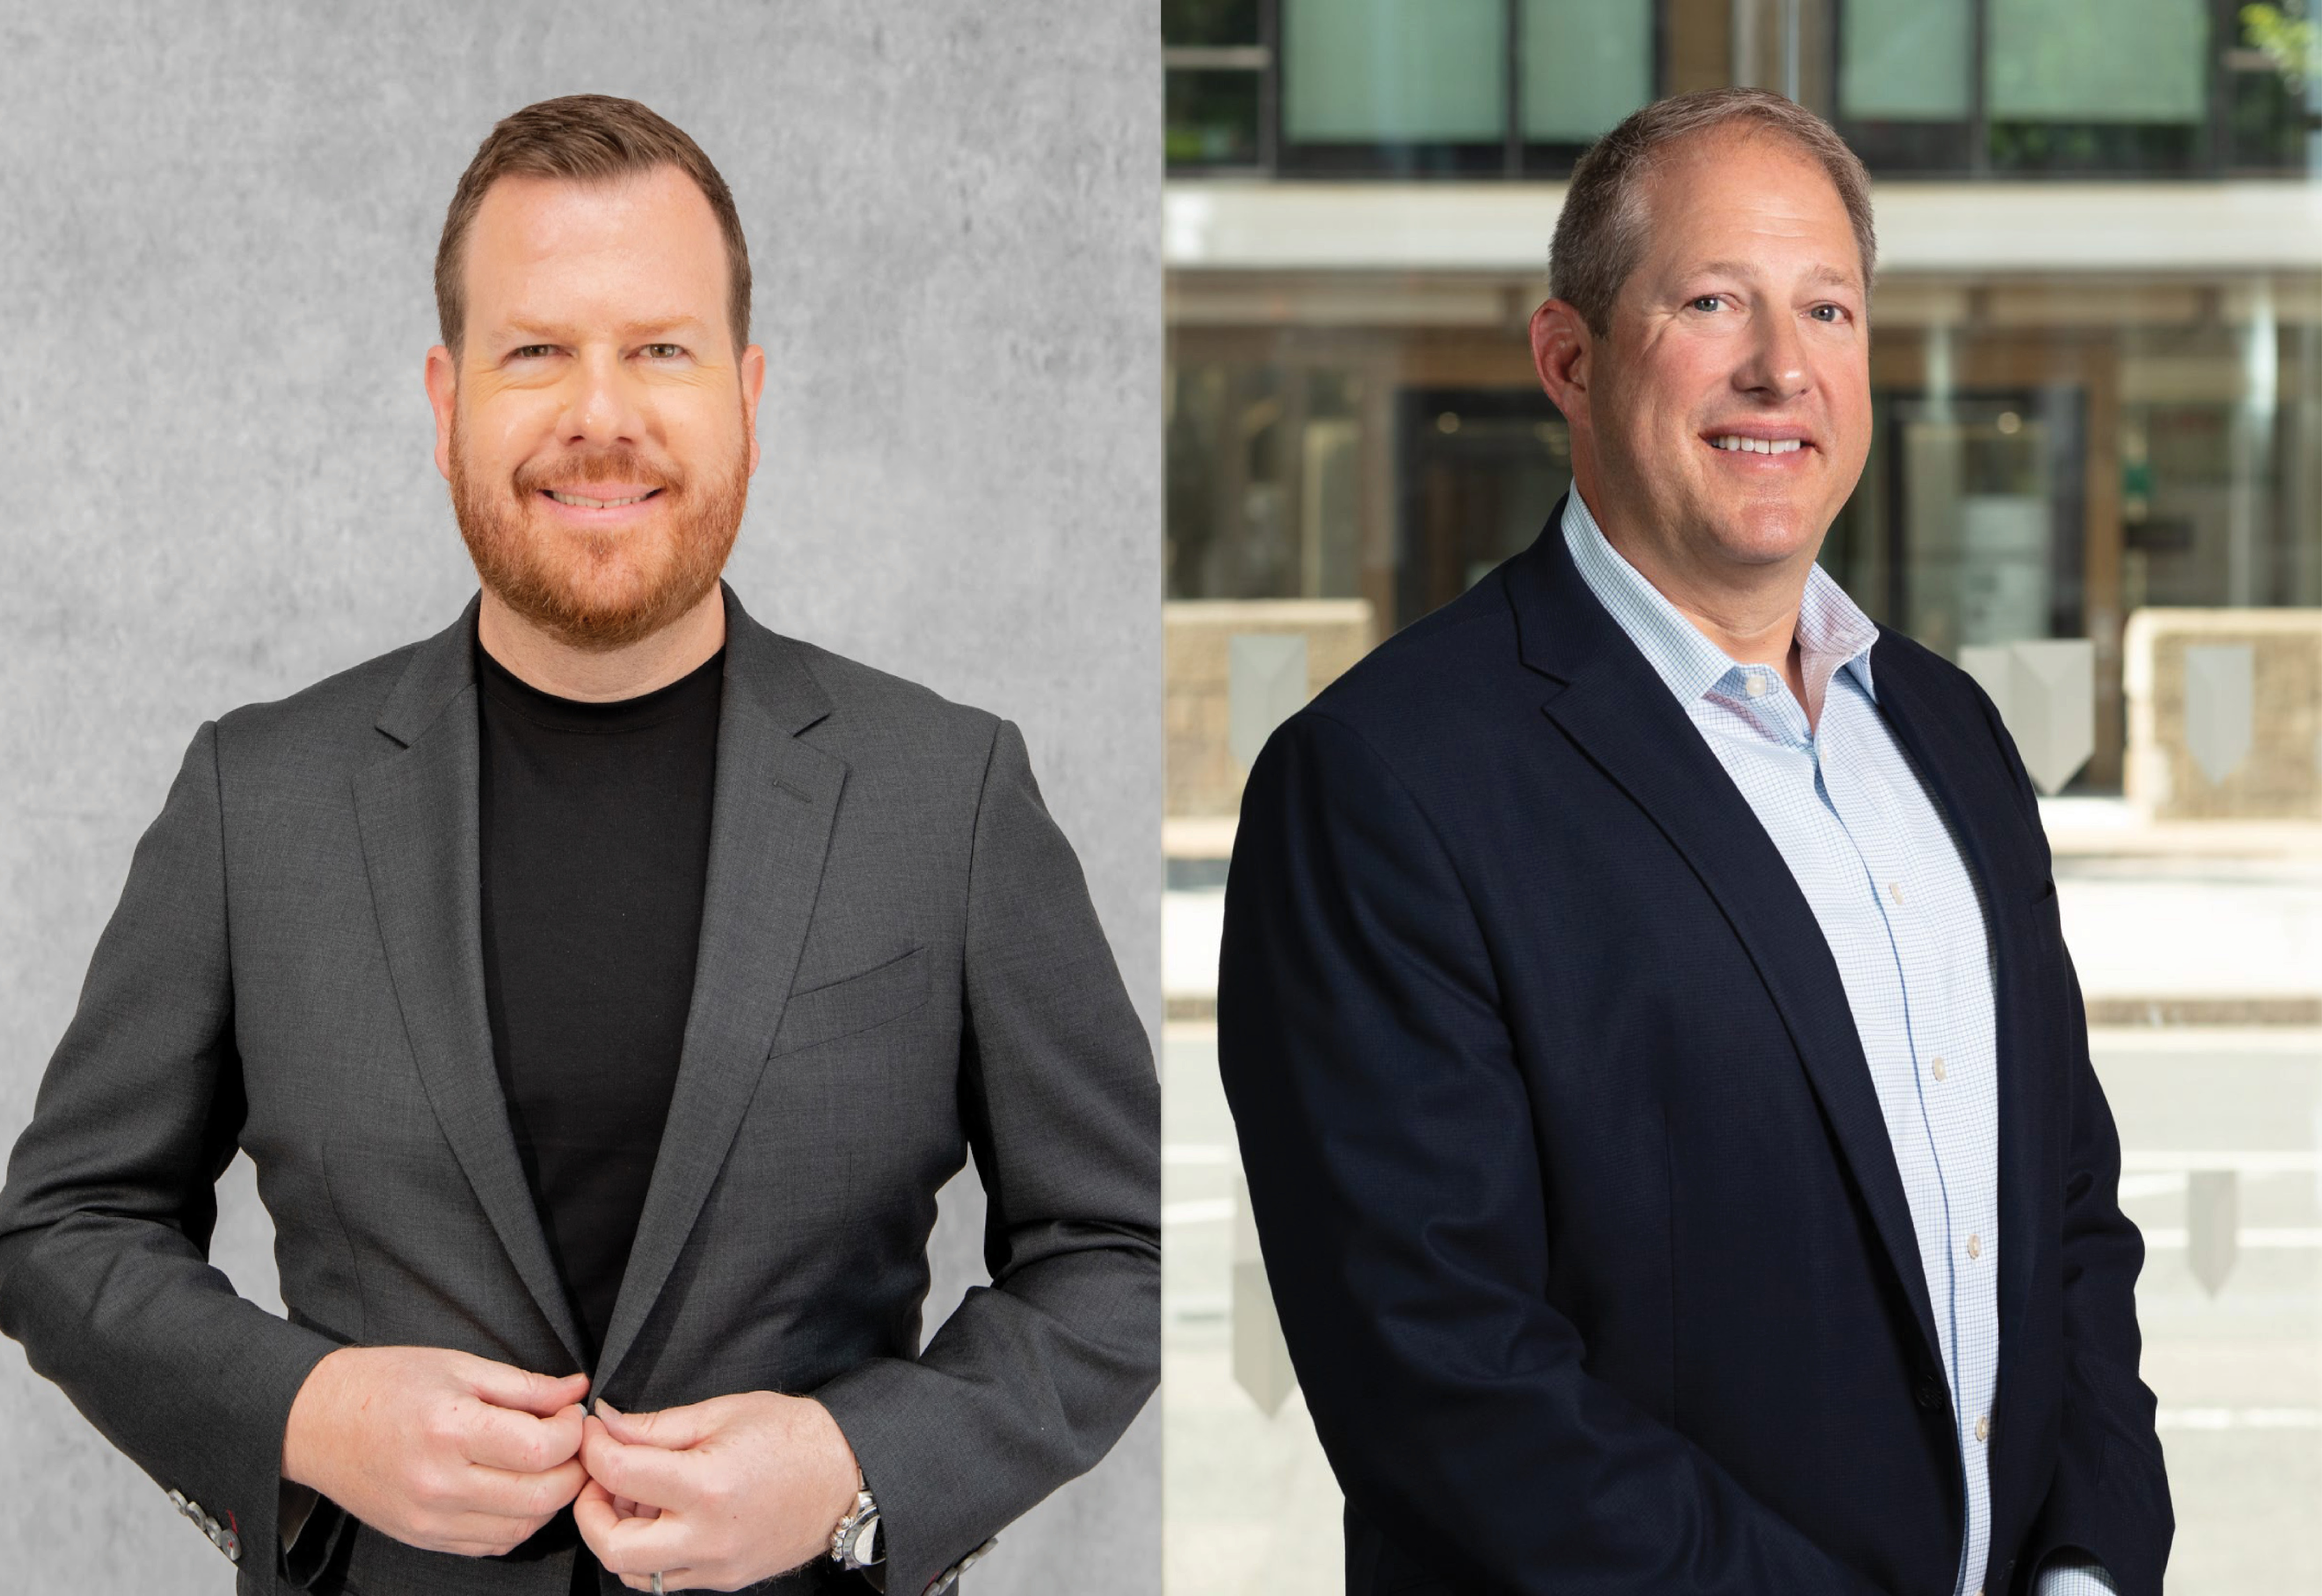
<point x="1481" y="468"/>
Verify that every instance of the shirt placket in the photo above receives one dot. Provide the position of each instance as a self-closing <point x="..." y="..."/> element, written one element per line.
<point x="1944" y="1076"/>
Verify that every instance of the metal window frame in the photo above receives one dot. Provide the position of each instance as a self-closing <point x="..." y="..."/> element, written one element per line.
<point x="2210" y="150"/>
<point x="1512" y="157"/>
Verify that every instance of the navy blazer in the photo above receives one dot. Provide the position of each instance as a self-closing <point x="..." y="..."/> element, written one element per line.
<point x="1575" y="1198"/>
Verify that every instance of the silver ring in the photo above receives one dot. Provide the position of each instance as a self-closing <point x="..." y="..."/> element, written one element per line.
<point x="656" y="1586"/>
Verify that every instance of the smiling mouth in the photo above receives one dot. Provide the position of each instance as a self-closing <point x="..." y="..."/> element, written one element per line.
<point x="581" y="501"/>
<point x="1735" y="443"/>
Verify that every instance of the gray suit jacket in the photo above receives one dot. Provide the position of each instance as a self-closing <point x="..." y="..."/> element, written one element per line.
<point x="898" y="964"/>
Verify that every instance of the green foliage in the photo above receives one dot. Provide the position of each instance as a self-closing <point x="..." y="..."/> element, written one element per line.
<point x="2290" y="39"/>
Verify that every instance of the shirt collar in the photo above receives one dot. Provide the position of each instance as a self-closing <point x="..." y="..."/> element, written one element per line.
<point x="1833" y="634"/>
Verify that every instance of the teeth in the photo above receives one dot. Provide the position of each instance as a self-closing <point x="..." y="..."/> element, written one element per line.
<point x="1733" y="441"/>
<point x="578" y="503"/>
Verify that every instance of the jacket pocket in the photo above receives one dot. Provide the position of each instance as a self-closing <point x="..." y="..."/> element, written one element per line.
<point x="856" y="1003"/>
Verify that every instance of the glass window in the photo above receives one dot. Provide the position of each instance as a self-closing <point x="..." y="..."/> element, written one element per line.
<point x="2098" y="60"/>
<point x="1905" y="61"/>
<point x="1265" y="464"/>
<point x="1212" y="117"/>
<point x="1586" y="64"/>
<point x="1392" y="72"/>
<point x="1208" y="22"/>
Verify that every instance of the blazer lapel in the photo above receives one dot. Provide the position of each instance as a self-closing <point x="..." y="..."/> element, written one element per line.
<point x="1964" y="775"/>
<point x="417" y="811"/>
<point x="1624" y="718"/>
<point x="770" y="828"/>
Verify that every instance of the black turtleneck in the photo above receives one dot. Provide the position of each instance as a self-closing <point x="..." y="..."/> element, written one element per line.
<point x="595" y="852"/>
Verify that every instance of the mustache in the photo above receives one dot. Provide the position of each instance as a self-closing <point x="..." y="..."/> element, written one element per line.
<point x="618" y="464"/>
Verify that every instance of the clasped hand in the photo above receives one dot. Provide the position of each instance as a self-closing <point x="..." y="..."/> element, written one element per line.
<point x="457" y="1453"/>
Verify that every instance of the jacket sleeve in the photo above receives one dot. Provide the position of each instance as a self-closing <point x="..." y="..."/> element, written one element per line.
<point x="106" y="1218"/>
<point x="1032" y="1380"/>
<point x="1386" y="1136"/>
<point x="2107" y="1503"/>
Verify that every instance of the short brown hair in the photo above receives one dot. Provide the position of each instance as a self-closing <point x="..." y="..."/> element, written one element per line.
<point x="584" y="139"/>
<point x="1601" y="235"/>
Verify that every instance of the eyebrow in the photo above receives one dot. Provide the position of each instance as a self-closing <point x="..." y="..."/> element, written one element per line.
<point x="1828" y="276"/>
<point x="557" y="333"/>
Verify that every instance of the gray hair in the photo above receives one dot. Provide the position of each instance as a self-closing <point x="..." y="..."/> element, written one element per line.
<point x="1601" y="235"/>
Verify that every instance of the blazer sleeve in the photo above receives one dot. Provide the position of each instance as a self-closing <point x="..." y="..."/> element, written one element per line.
<point x="2108" y="1502"/>
<point x="1030" y="1381"/>
<point x="106" y="1218"/>
<point x="1385" y="1134"/>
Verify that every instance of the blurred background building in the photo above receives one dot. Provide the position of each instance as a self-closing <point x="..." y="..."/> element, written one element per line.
<point x="2097" y="482"/>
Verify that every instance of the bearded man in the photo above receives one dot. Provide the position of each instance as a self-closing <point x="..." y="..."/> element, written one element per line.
<point x="603" y="988"/>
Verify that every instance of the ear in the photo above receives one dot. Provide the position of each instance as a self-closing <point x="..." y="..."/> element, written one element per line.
<point x="442" y="387"/>
<point x="753" y="384"/>
<point x="1561" y="345"/>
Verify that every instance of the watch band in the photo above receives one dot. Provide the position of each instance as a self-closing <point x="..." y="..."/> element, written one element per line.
<point x="854" y="1543"/>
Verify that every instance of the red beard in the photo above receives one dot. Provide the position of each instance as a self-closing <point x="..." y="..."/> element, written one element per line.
<point x="598" y="591"/>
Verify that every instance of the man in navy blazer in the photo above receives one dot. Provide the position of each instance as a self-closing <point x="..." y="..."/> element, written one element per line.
<point x="1663" y="1088"/>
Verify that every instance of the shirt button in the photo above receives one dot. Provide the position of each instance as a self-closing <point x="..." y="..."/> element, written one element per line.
<point x="1754" y="685"/>
<point x="1894" y="890"/>
<point x="1983" y="1429"/>
<point x="1974" y="1246"/>
<point x="1936" y="1068"/>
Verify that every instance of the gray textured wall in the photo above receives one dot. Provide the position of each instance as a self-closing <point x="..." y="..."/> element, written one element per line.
<point x="216" y="225"/>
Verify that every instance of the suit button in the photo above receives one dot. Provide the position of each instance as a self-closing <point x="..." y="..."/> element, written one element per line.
<point x="1931" y="1395"/>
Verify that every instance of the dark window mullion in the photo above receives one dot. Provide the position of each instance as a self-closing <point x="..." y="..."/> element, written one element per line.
<point x="1656" y="77"/>
<point x="1511" y="75"/>
<point x="1270" y="89"/>
<point x="2225" y="32"/>
<point x="1978" y="157"/>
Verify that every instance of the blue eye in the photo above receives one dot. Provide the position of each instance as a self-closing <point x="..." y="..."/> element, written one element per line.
<point x="1707" y="302"/>
<point x="1834" y="312"/>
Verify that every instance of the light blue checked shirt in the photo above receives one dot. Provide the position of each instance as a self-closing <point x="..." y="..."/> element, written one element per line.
<point x="1882" y="872"/>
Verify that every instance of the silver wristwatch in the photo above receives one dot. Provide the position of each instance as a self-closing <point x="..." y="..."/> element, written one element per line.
<point x="855" y="1544"/>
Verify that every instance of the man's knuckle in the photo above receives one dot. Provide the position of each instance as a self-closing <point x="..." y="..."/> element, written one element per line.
<point x="441" y="1426"/>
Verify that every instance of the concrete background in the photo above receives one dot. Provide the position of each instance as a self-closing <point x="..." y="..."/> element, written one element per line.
<point x="216" y="229"/>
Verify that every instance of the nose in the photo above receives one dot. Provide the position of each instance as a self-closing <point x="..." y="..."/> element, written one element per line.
<point x="603" y="404"/>
<point x="1776" y="367"/>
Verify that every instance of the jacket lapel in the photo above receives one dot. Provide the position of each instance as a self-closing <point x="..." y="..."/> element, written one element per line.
<point x="770" y="828"/>
<point x="1965" y="777"/>
<point x="419" y="814"/>
<point x="1624" y="718"/>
